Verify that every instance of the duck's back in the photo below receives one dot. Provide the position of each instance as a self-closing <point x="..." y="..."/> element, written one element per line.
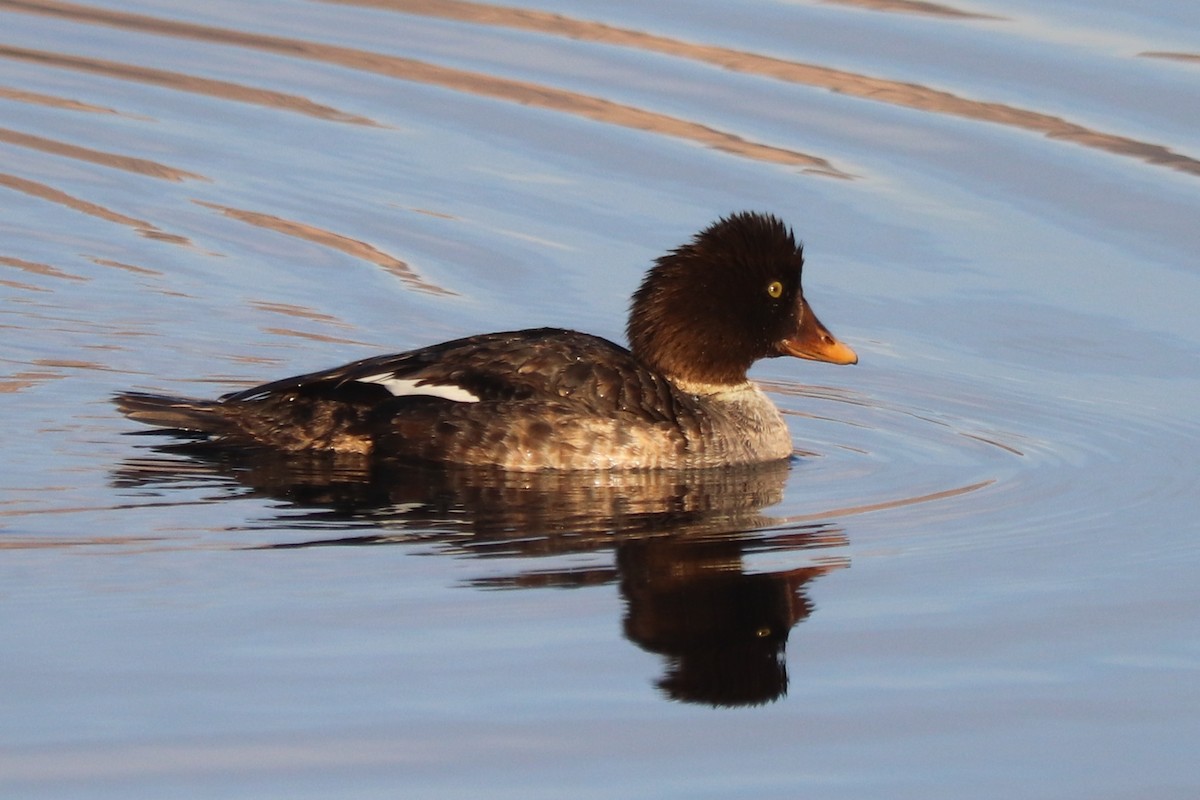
<point x="532" y="399"/>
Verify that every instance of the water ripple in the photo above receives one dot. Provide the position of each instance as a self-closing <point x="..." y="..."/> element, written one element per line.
<point x="335" y="241"/>
<point x="1019" y="458"/>
<point x="178" y="81"/>
<point x="408" y="69"/>
<point x="53" y="101"/>
<point x="140" y="166"/>
<point x="920" y="7"/>
<point x="50" y="194"/>
<point x="868" y="87"/>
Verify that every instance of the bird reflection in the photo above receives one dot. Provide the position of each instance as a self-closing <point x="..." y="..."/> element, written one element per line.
<point x="722" y="631"/>
<point x="680" y="540"/>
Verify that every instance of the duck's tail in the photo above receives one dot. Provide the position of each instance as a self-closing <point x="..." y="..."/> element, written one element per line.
<point x="177" y="413"/>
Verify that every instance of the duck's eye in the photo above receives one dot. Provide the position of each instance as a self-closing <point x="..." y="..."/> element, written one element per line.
<point x="775" y="289"/>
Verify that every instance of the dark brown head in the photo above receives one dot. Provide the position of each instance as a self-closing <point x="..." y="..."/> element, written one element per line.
<point x="709" y="309"/>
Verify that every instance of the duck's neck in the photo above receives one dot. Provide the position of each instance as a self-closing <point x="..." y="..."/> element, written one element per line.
<point x="676" y="349"/>
<point x="707" y="389"/>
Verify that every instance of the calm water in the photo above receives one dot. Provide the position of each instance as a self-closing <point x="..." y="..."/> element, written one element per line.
<point x="980" y="577"/>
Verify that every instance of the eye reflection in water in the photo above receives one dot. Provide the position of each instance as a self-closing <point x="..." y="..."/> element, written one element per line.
<point x="680" y="542"/>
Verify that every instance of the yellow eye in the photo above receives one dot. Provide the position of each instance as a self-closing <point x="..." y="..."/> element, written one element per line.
<point x="775" y="289"/>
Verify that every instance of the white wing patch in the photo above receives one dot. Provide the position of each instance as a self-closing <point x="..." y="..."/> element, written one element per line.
<point x="412" y="387"/>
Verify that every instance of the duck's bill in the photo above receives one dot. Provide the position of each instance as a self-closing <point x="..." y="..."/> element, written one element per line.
<point x="813" y="341"/>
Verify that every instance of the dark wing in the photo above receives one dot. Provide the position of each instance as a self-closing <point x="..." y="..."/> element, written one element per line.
<point x="549" y="364"/>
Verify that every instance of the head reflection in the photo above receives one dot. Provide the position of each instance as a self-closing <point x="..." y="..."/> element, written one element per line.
<point x="680" y="539"/>
<point x="722" y="631"/>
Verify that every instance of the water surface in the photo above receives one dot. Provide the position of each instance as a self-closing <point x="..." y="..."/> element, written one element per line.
<point x="976" y="578"/>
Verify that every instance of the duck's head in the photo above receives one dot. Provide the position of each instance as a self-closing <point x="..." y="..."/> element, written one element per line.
<point x="709" y="309"/>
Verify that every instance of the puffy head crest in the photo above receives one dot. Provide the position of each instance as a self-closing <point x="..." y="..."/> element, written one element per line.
<point x="712" y="307"/>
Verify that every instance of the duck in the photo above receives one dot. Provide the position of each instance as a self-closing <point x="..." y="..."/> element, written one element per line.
<point x="678" y="397"/>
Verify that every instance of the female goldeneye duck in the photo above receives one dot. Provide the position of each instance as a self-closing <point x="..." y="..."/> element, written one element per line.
<point x="556" y="399"/>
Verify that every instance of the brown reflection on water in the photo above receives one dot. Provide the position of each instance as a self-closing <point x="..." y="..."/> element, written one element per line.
<point x="50" y="194"/>
<point x="911" y="7"/>
<point x="309" y="335"/>
<point x="678" y="540"/>
<point x="134" y="268"/>
<point x="407" y="69"/>
<point x="126" y="543"/>
<point x="38" y="268"/>
<point x="25" y="379"/>
<point x="141" y="166"/>
<point x="24" y="287"/>
<point x="335" y="241"/>
<point x="1191" y="58"/>
<point x="179" y="81"/>
<point x="39" y="99"/>
<point x="907" y="95"/>
<point x="71" y="363"/>
<point x="300" y="312"/>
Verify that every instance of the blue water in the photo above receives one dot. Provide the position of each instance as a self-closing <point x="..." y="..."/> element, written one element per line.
<point x="976" y="579"/>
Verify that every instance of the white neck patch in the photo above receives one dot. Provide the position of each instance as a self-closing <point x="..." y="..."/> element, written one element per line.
<point x="412" y="387"/>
